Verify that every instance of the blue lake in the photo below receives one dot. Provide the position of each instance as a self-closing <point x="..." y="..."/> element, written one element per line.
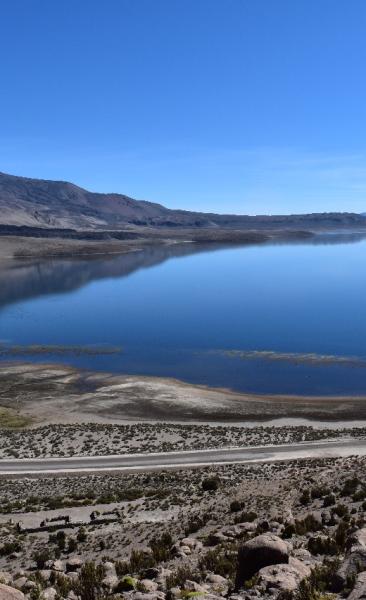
<point x="175" y="311"/>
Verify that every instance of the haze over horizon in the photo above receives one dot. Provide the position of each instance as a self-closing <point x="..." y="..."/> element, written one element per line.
<point x="185" y="104"/>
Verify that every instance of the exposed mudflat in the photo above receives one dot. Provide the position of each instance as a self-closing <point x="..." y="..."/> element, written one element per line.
<point x="61" y="394"/>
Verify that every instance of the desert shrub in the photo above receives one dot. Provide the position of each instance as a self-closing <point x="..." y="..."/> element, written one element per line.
<point x="316" y="585"/>
<point x="359" y="495"/>
<point x="180" y="576"/>
<point x="350" y="486"/>
<point x="89" y="583"/>
<point x="10" y="547"/>
<point x="162" y="547"/>
<point x="340" y="535"/>
<point x="42" y="556"/>
<point x="319" y="491"/>
<point x="127" y="584"/>
<point x="341" y="510"/>
<point x="308" y="523"/>
<point x="196" y="522"/>
<point x="81" y="535"/>
<point x="59" y="539"/>
<point x="329" y="500"/>
<point x="305" y="497"/>
<point x="220" y="561"/>
<point x="246" y="517"/>
<point x="210" y="484"/>
<point x="236" y="506"/>
<point x="138" y="562"/>
<point x="289" y="530"/>
<point x="62" y="584"/>
<point x="72" y="545"/>
<point x="322" y="545"/>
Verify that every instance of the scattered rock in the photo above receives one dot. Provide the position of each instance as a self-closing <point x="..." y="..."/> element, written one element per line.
<point x="284" y="577"/>
<point x="261" y="551"/>
<point x="149" y="585"/>
<point x="10" y="593"/>
<point x="49" y="594"/>
<point x="73" y="564"/>
<point x="353" y="564"/>
<point x="359" y="590"/>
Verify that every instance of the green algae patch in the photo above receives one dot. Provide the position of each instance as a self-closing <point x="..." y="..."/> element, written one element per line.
<point x="11" y="419"/>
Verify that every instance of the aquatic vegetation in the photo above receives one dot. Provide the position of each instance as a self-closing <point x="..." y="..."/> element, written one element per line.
<point x="309" y="358"/>
<point x="37" y="349"/>
<point x="10" y="419"/>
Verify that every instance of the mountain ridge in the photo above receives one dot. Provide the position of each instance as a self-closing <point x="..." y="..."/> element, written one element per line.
<point x="49" y="204"/>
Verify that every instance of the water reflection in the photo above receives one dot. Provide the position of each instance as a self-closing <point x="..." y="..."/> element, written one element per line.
<point x="27" y="278"/>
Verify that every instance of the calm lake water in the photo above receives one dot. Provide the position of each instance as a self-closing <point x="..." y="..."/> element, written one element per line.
<point x="175" y="311"/>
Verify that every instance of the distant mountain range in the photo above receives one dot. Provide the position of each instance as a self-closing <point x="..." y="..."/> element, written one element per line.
<point x="58" y="204"/>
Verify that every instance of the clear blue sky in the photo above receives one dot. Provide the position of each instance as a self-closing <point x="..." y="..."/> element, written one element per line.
<point x="246" y="106"/>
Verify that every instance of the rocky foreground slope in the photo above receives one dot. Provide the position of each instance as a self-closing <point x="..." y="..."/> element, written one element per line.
<point x="294" y="530"/>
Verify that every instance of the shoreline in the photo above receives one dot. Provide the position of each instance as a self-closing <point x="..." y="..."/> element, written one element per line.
<point x="59" y="394"/>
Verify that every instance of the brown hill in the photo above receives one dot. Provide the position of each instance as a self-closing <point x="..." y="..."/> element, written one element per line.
<point x="59" y="204"/>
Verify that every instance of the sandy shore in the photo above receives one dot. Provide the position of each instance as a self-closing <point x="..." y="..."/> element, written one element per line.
<point x="61" y="394"/>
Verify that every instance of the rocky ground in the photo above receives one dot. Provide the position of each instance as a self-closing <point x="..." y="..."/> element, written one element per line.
<point x="93" y="439"/>
<point x="283" y="530"/>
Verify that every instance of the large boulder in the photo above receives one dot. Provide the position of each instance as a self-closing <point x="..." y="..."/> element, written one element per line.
<point x="354" y="562"/>
<point x="10" y="593"/>
<point x="49" y="594"/>
<point x="284" y="577"/>
<point x="359" y="590"/>
<point x="261" y="551"/>
<point x="357" y="539"/>
<point x="74" y="563"/>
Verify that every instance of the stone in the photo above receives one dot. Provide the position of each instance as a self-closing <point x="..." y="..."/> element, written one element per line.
<point x="110" y="581"/>
<point x="284" y="577"/>
<point x="58" y="565"/>
<point x="217" y="583"/>
<point x="151" y="573"/>
<point x="149" y="596"/>
<point x="217" y="538"/>
<point x="5" y="577"/>
<point x="261" y="551"/>
<point x="45" y="574"/>
<point x="73" y="564"/>
<point x="354" y="562"/>
<point x="193" y="586"/>
<point x="109" y="567"/>
<point x="357" y="538"/>
<point x="247" y="526"/>
<point x="149" y="585"/>
<point x="10" y="593"/>
<point x="359" y="590"/>
<point x="234" y="531"/>
<point x="191" y="542"/>
<point x="49" y="594"/>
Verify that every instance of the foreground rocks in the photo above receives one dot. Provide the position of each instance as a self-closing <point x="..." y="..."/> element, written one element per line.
<point x="261" y="551"/>
<point x="293" y="531"/>
<point x="10" y="593"/>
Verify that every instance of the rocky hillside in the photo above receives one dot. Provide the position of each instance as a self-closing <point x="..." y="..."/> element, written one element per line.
<point x="283" y="531"/>
<point x="59" y="204"/>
